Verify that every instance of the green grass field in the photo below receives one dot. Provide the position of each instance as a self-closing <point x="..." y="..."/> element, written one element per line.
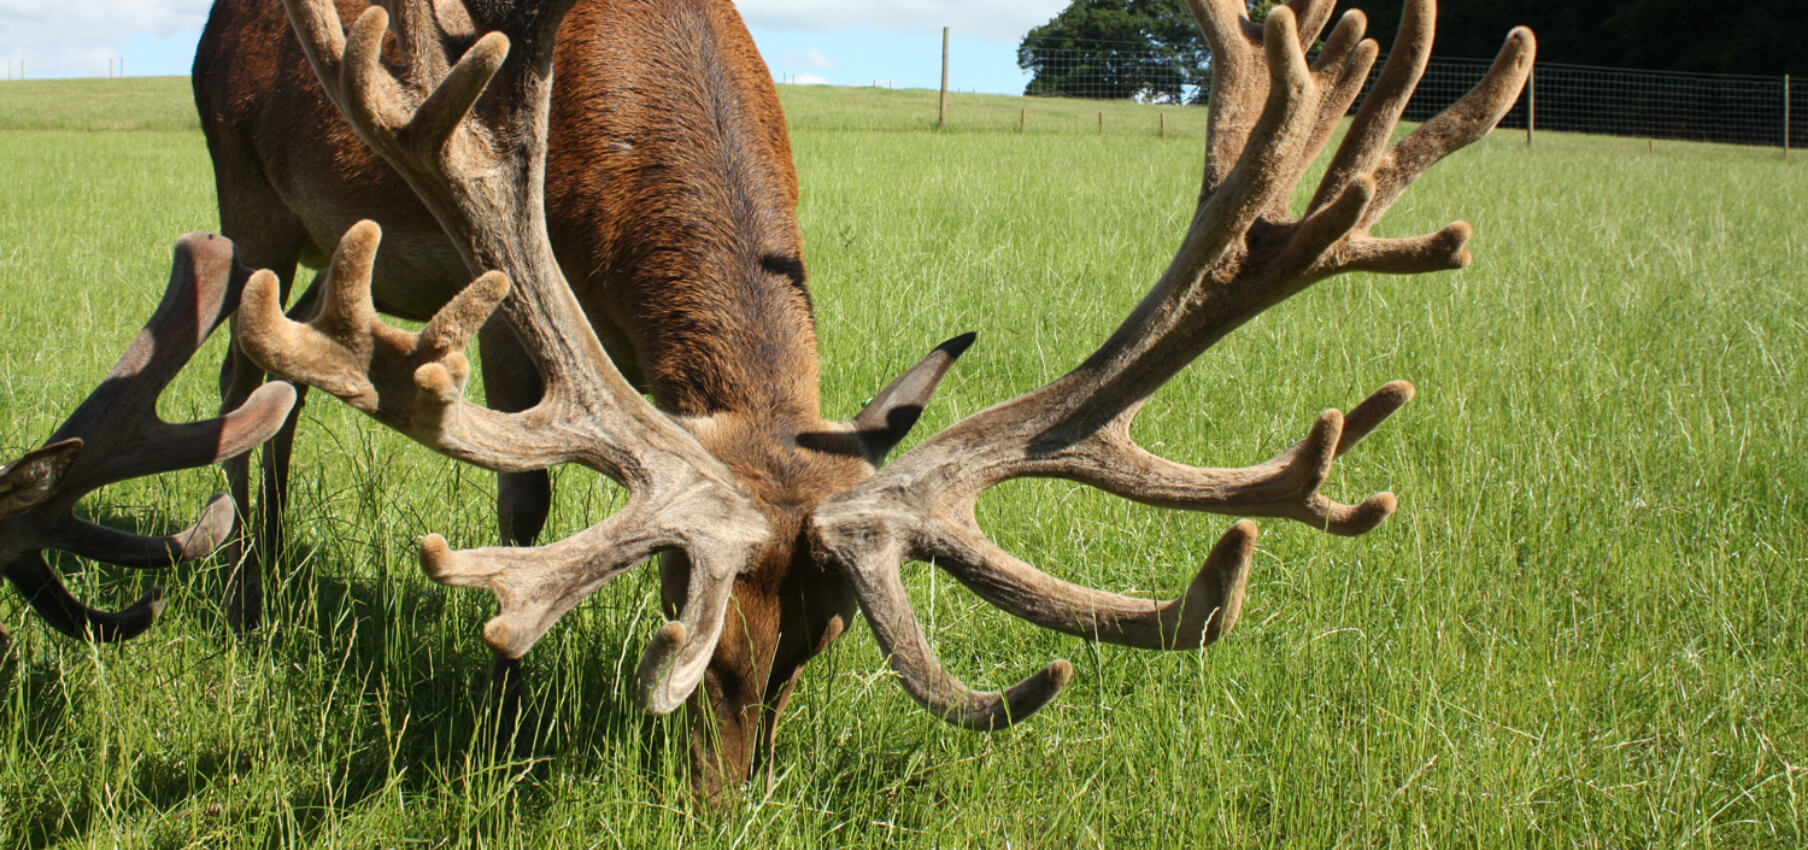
<point x="1584" y="628"/>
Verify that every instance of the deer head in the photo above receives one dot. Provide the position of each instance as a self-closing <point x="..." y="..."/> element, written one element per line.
<point x="468" y="134"/>
<point x="116" y="435"/>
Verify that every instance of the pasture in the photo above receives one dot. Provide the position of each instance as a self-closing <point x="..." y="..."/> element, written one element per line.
<point x="1583" y="628"/>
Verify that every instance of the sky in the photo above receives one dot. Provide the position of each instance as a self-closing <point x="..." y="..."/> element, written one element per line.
<point x="895" y="43"/>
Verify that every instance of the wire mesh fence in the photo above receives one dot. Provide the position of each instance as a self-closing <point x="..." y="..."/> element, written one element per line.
<point x="1104" y="70"/>
<point x="1744" y="110"/>
<point x="1725" y="108"/>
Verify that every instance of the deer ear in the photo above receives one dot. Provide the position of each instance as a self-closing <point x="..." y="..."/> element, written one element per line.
<point x="889" y="416"/>
<point x="28" y="481"/>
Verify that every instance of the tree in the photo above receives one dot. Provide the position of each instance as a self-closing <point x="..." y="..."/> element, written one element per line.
<point x="1756" y="37"/>
<point x="1144" y="49"/>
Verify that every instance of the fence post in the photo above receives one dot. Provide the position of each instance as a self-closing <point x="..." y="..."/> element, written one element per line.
<point x="1101" y="123"/>
<point x="1164" y="125"/>
<point x="1531" y="104"/>
<point x="941" y="118"/>
<point x="1785" y="116"/>
<point x="1022" y="116"/>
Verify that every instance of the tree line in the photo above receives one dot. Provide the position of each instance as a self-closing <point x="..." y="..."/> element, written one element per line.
<point x="1152" y="49"/>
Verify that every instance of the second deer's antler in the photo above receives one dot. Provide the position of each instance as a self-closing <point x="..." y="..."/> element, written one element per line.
<point x="1272" y="112"/>
<point x="116" y="435"/>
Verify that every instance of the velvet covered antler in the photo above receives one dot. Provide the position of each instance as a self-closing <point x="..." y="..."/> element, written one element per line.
<point x="1272" y="112"/>
<point x="116" y="435"/>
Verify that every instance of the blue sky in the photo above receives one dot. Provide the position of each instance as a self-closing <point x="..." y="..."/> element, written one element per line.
<point x="894" y="43"/>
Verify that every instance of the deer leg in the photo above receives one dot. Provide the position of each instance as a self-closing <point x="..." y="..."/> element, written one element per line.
<point x="244" y="592"/>
<point x="504" y="703"/>
<point x="510" y="383"/>
<point x="523" y="500"/>
<point x="265" y="235"/>
<point x="239" y="377"/>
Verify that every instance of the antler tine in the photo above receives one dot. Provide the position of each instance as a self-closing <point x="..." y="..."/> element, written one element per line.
<point x="536" y="586"/>
<point x="1312" y="15"/>
<point x="413" y="382"/>
<point x="1239" y="89"/>
<point x="125" y="549"/>
<point x="870" y="556"/>
<point x="121" y="436"/>
<point x="1465" y="121"/>
<point x="1286" y="486"/>
<point x="1241" y="255"/>
<point x="478" y="163"/>
<point x="1207" y="611"/>
<point x="38" y="583"/>
<point x="116" y="435"/>
<point x="1340" y="70"/>
<point x="673" y="664"/>
<point x="1372" y="129"/>
<point x="118" y="424"/>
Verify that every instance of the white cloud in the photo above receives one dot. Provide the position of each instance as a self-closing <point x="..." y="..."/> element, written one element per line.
<point x="992" y="20"/>
<point x="813" y="59"/>
<point x="62" y="38"/>
<point x="57" y="37"/>
<point x="808" y="80"/>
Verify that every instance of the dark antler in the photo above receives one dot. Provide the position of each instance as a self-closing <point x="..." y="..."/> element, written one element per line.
<point x="1271" y="114"/>
<point x="116" y="435"/>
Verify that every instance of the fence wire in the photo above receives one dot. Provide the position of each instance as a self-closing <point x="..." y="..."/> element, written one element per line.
<point x="1725" y="108"/>
<point x="1114" y="71"/>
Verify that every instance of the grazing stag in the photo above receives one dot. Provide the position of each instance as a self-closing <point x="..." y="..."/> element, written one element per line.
<point x="747" y="495"/>
<point x="671" y="205"/>
<point x="115" y="435"/>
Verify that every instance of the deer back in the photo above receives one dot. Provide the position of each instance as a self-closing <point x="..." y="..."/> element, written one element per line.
<point x="670" y="193"/>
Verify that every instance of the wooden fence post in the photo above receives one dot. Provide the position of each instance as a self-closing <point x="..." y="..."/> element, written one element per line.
<point x="941" y="118"/>
<point x="1785" y="116"/>
<point x="1531" y="104"/>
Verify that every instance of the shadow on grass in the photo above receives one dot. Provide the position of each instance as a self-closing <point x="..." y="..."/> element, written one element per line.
<point x="391" y="670"/>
